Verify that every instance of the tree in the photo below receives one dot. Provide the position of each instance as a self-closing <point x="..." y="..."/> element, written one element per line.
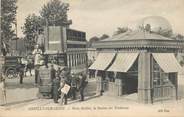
<point x="52" y="13"/>
<point x="104" y="36"/>
<point x="177" y="36"/>
<point x="55" y="13"/>
<point x="8" y="19"/>
<point x="92" y="40"/>
<point x="31" y="28"/>
<point x="95" y="39"/>
<point x="165" y="33"/>
<point x="120" y="30"/>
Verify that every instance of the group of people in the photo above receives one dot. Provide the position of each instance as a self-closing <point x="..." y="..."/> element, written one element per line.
<point x="71" y="83"/>
<point x="26" y="64"/>
<point x="66" y="84"/>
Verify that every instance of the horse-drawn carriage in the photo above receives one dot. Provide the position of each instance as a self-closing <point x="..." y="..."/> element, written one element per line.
<point x="11" y="65"/>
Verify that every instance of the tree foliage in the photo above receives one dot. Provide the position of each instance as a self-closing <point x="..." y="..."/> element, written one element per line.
<point x="31" y="28"/>
<point x="8" y="19"/>
<point x="177" y="36"/>
<point x="55" y="13"/>
<point x="95" y="39"/>
<point x="104" y="36"/>
<point x="120" y="30"/>
<point x="52" y="13"/>
<point x="92" y="40"/>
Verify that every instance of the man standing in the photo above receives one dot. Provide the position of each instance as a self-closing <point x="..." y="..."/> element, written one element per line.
<point x="21" y="74"/>
<point x="64" y="81"/>
<point x="21" y="68"/>
<point x="56" y="86"/>
<point x="53" y="72"/>
<point x="73" y="86"/>
<point x="59" y="71"/>
<point x="53" y="76"/>
<point x="30" y="64"/>
<point x="37" y="58"/>
<point x="82" y="85"/>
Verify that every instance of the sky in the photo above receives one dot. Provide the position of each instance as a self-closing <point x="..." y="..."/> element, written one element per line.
<point x="97" y="17"/>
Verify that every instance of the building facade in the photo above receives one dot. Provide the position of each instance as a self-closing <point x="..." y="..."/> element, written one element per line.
<point x="67" y="47"/>
<point x="92" y="53"/>
<point x="138" y="62"/>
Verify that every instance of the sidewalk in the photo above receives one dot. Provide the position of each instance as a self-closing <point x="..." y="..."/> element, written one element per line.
<point x="104" y="104"/>
<point x="17" y="93"/>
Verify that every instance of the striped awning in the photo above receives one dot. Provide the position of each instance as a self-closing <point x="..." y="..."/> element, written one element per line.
<point x="167" y="62"/>
<point x="123" y="62"/>
<point x="102" y="61"/>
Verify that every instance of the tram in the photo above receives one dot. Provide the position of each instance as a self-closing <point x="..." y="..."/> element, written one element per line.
<point x="66" y="47"/>
<point x="62" y="47"/>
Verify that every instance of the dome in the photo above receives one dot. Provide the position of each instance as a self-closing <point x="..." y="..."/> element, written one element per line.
<point x="157" y="24"/>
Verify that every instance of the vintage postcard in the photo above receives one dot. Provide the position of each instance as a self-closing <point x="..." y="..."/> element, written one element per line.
<point x="92" y="58"/>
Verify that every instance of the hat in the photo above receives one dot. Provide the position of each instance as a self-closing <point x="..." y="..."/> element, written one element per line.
<point x="72" y="73"/>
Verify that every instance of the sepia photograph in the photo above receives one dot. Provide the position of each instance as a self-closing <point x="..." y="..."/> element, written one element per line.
<point x="92" y="58"/>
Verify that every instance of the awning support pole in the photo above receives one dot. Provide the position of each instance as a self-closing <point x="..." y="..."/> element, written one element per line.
<point x="144" y="78"/>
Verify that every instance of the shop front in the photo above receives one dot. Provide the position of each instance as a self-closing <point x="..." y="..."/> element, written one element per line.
<point x="145" y="65"/>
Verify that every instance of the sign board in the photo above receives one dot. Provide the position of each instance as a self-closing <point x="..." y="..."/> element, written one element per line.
<point x="65" y="89"/>
<point x="54" y="38"/>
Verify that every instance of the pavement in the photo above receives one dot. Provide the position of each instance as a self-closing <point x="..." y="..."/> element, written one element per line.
<point x="21" y="94"/>
<point x="23" y="98"/>
<point x="17" y="93"/>
<point x="103" y="104"/>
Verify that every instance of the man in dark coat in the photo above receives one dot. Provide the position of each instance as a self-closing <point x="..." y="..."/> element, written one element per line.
<point x="53" y="72"/>
<point x="65" y="79"/>
<point x="56" y="86"/>
<point x="82" y="85"/>
<point x="59" y="71"/>
<point x="21" y="72"/>
<point x="73" y="86"/>
<point x="52" y="76"/>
